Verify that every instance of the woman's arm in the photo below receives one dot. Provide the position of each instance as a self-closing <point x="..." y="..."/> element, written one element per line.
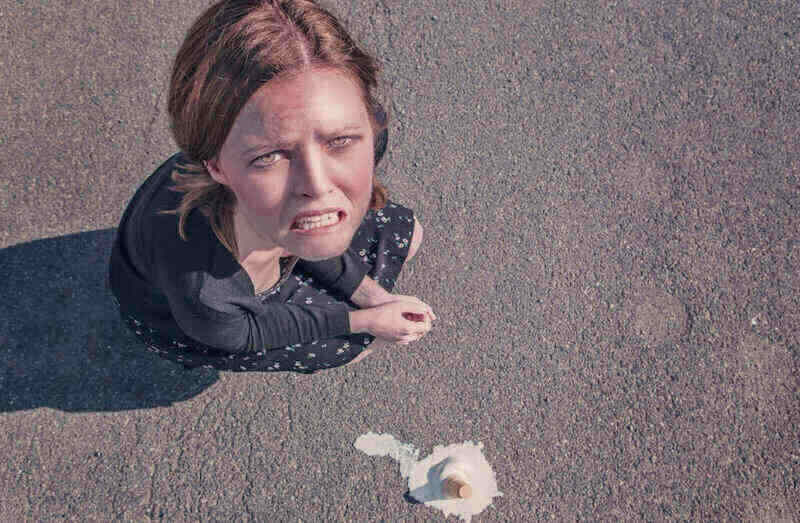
<point x="212" y="301"/>
<point x="342" y="273"/>
<point x="370" y="294"/>
<point x="235" y="323"/>
<point x="348" y="274"/>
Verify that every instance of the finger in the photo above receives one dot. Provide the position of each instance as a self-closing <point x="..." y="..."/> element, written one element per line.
<point x="408" y="299"/>
<point x="429" y="311"/>
<point x="423" y="304"/>
<point x="423" y="329"/>
<point x="405" y="340"/>
<point x="414" y="316"/>
<point x="413" y="299"/>
<point x="416" y="300"/>
<point x="419" y="334"/>
<point x="427" y="324"/>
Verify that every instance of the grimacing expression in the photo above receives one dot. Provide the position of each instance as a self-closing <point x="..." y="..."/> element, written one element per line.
<point x="303" y="142"/>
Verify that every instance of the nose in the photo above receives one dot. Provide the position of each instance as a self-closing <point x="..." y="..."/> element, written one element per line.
<point x="310" y="174"/>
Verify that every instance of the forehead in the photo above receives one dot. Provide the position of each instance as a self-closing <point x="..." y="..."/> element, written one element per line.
<point x="295" y="102"/>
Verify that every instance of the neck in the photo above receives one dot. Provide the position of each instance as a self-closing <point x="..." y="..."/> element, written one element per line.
<point x="252" y="247"/>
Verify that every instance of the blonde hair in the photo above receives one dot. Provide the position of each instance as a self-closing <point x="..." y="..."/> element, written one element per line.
<point x="233" y="49"/>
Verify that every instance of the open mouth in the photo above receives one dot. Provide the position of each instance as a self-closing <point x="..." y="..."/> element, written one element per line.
<point x="322" y="222"/>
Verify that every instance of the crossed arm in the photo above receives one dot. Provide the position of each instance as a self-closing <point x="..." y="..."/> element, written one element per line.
<point x="391" y="324"/>
<point x="370" y="294"/>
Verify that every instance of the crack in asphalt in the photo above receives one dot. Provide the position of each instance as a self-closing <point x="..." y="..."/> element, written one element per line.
<point x="289" y="398"/>
<point x="249" y="492"/>
<point x="152" y="489"/>
<point x="149" y="127"/>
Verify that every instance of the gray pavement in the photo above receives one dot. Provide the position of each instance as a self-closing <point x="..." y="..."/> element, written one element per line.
<point x="610" y="193"/>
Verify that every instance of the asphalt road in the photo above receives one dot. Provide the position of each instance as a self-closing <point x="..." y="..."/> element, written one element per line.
<point x="611" y="199"/>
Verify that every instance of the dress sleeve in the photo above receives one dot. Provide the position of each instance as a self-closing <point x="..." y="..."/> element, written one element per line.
<point x="214" y="314"/>
<point x="213" y="303"/>
<point x="342" y="273"/>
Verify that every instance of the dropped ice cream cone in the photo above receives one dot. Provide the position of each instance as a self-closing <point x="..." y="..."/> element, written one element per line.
<point x="455" y="479"/>
<point x="454" y="487"/>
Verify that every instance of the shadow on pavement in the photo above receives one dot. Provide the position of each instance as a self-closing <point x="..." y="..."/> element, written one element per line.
<point x="62" y="343"/>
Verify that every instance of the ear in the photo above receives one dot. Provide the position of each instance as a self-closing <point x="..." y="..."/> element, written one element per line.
<point x="212" y="166"/>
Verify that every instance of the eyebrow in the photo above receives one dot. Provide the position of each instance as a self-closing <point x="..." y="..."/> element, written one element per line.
<point x="285" y="145"/>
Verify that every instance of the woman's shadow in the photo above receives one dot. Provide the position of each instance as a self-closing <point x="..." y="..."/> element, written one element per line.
<point x="62" y="343"/>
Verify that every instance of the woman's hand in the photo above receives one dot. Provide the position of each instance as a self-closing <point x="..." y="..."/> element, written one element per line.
<point x="388" y="298"/>
<point x="399" y="321"/>
<point x="370" y="294"/>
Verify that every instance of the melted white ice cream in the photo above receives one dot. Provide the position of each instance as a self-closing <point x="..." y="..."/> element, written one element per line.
<point x="464" y="461"/>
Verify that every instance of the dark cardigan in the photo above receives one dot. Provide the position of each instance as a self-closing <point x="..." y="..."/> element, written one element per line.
<point x="196" y="288"/>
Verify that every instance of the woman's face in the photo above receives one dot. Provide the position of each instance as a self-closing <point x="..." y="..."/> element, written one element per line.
<point x="302" y="143"/>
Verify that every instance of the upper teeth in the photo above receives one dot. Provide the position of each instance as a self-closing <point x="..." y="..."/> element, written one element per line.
<point x="318" y="221"/>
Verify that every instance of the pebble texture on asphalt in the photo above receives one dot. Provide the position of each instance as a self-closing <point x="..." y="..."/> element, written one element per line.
<point x="610" y="192"/>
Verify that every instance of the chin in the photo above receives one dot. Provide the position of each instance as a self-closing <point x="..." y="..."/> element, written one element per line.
<point x="319" y="254"/>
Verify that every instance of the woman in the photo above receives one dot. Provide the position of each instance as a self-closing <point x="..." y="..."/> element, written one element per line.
<point x="266" y="244"/>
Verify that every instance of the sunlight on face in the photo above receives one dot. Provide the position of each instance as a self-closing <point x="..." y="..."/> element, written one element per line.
<point x="303" y="142"/>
